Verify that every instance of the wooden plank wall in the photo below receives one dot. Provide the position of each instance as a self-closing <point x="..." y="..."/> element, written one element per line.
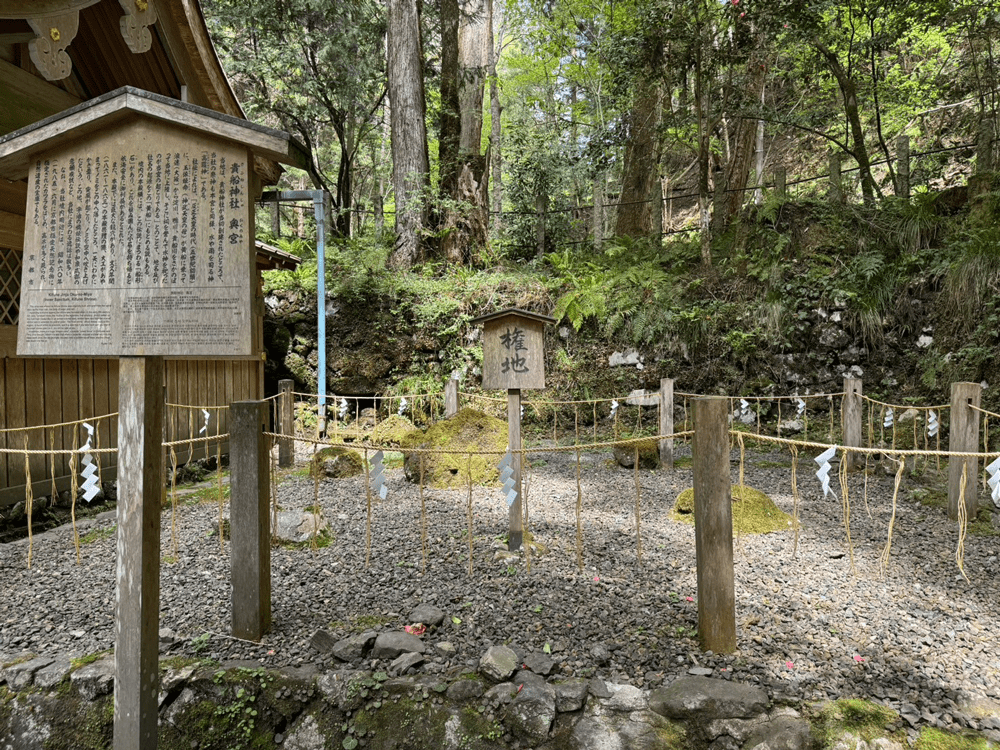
<point x="51" y="391"/>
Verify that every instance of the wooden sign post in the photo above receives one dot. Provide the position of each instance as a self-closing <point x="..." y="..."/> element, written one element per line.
<point x="139" y="245"/>
<point x="514" y="360"/>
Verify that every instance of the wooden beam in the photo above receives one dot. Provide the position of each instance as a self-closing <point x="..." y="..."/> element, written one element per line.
<point x="13" y="194"/>
<point x="11" y="230"/>
<point x="8" y="341"/>
<point x="25" y="98"/>
<point x="16" y="9"/>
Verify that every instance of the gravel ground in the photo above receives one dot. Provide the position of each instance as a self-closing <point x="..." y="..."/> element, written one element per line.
<point x="921" y="638"/>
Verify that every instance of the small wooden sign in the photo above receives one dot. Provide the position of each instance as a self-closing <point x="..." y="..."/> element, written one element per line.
<point x="513" y="350"/>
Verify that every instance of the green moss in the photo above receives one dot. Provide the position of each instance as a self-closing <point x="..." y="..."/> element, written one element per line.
<point x="97" y="534"/>
<point x="468" y="430"/>
<point x="89" y="659"/>
<point x="410" y="722"/>
<point x="931" y="738"/>
<point x="753" y="511"/>
<point x="983" y="524"/>
<point x="862" y="718"/>
<point x="392" y="430"/>
<point x="673" y="736"/>
<point x="345" y="462"/>
<point x="362" y="623"/>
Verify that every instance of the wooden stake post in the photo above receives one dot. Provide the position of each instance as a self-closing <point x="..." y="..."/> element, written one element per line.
<point x="139" y="245"/>
<point x="963" y="437"/>
<point x="713" y="526"/>
<point x="514" y="360"/>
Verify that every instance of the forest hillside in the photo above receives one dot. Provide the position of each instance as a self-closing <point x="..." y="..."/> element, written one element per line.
<point x="750" y="197"/>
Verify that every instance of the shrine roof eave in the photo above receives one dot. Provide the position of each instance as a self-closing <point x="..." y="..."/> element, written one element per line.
<point x="18" y="148"/>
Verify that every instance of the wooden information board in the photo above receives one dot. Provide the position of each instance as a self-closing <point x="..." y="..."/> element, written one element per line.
<point x="138" y="244"/>
<point x="513" y="350"/>
<point x="139" y="231"/>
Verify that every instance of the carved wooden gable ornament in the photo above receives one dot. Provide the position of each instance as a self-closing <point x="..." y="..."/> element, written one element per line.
<point x="56" y="22"/>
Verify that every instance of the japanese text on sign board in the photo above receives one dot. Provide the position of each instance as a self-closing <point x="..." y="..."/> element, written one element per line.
<point x="513" y="341"/>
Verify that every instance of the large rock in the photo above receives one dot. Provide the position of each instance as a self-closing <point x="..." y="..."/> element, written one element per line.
<point x="306" y="735"/>
<point x="469" y="430"/>
<point x="571" y="695"/>
<point x="498" y="663"/>
<point x="20" y="676"/>
<point x="299" y="526"/>
<point x="781" y="733"/>
<point x="94" y="680"/>
<point x="427" y="614"/>
<point x="531" y="713"/>
<point x="392" y="644"/>
<point x="707" y="699"/>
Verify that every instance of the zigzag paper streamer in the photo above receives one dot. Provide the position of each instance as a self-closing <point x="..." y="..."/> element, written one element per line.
<point x="402" y="406"/>
<point x="507" y="479"/>
<point x="932" y="424"/>
<point x="800" y="406"/>
<point x="91" y="486"/>
<point x="887" y="422"/>
<point x="994" y="481"/>
<point x="377" y="475"/>
<point x="614" y="407"/>
<point x="823" y="475"/>
<point x="342" y="411"/>
<point x="204" y="429"/>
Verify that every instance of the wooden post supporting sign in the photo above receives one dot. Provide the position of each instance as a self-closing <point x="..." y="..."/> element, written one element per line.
<point x="713" y="526"/>
<point x="137" y="603"/>
<point x="514" y="360"/>
<point x="515" y="531"/>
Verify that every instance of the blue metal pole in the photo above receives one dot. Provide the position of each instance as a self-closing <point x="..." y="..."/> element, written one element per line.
<point x="319" y="205"/>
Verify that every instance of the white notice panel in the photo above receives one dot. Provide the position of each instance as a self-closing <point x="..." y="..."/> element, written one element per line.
<point x="138" y="243"/>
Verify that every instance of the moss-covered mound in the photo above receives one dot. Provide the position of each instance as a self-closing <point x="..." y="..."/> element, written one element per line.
<point x="469" y="430"/>
<point x="753" y="511"/>
<point x="336" y="462"/>
<point x="392" y="430"/>
<point x="649" y="454"/>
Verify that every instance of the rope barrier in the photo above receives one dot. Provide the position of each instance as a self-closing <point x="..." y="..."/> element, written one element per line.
<point x="58" y="424"/>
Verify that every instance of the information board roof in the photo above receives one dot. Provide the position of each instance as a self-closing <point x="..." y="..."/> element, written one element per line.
<point x="18" y="148"/>
<point x="514" y="311"/>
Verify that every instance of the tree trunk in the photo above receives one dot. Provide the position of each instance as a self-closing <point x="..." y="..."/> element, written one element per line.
<point x="410" y="165"/>
<point x="496" y="153"/>
<point x="466" y="226"/>
<point x="640" y="168"/>
<point x="744" y="147"/>
<point x="449" y="128"/>
<point x="849" y="92"/>
<point x="704" y="154"/>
